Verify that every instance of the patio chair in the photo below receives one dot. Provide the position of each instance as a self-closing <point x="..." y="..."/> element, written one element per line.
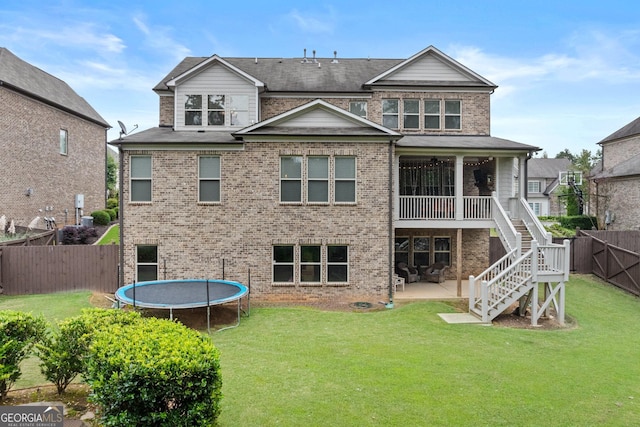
<point x="435" y="273"/>
<point x="410" y="274"/>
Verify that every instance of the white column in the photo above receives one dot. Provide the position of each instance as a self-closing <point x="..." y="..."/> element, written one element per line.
<point x="459" y="187"/>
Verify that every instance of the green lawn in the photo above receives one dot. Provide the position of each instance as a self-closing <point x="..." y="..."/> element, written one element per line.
<point x="111" y="237"/>
<point x="406" y="367"/>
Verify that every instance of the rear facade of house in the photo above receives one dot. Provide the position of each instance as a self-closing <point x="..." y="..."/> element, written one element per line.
<point x="313" y="178"/>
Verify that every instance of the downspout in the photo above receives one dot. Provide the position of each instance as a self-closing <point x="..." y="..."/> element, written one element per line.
<point x="391" y="232"/>
<point x="120" y="216"/>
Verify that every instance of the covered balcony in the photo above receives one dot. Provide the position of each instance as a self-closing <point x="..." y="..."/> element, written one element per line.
<point x="451" y="191"/>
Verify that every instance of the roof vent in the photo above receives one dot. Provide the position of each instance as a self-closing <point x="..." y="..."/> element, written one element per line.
<point x="314" y="56"/>
<point x="335" y="57"/>
<point x="304" y="59"/>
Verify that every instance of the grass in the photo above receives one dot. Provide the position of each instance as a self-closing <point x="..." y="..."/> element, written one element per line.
<point x="405" y="366"/>
<point x="111" y="237"/>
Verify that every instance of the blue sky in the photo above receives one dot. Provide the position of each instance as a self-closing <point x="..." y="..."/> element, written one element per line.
<point x="568" y="71"/>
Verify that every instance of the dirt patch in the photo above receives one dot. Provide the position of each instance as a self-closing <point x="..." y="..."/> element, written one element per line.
<point x="512" y="319"/>
<point x="75" y="398"/>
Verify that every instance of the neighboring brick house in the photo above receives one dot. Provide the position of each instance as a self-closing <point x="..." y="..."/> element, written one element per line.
<point x="615" y="181"/>
<point x="53" y="146"/>
<point x="543" y="186"/>
<point x="316" y="175"/>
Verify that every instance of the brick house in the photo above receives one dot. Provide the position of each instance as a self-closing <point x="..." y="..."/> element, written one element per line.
<point x="615" y="181"/>
<point x="53" y="146"/>
<point x="318" y="175"/>
<point x="543" y="185"/>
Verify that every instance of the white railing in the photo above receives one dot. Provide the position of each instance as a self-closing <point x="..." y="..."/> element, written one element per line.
<point x="444" y="207"/>
<point x="554" y="258"/>
<point x="427" y="207"/>
<point x="477" y="207"/>
<point x="533" y="224"/>
<point x="510" y="238"/>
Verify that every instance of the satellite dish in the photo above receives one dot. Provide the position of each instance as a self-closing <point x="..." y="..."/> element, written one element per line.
<point x="123" y="129"/>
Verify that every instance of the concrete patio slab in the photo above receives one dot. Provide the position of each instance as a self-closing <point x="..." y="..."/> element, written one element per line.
<point x="461" y="318"/>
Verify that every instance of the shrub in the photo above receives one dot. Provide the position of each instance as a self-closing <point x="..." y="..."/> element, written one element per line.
<point x="63" y="355"/>
<point x="74" y="235"/>
<point x="112" y="203"/>
<point x="154" y="372"/>
<point x="18" y="333"/>
<point x="584" y="222"/>
<point x="100" y="218"/>
<point x="112" y="214"/>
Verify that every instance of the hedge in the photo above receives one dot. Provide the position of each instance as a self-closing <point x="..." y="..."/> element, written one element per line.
<point x="101" y="218"/>
<point x="154" y="372"/>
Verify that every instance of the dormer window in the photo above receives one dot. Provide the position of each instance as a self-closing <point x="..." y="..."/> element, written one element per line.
<point x="216" y="110"/>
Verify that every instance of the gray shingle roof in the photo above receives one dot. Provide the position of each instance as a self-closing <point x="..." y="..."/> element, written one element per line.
<point x="629" y="167"/>
<point x="463" y="142"/>
<point x="547" y="168"/>
<point x="291" y="75"/>
<point x="32" y="81"/>
<point x="630" y="129"/>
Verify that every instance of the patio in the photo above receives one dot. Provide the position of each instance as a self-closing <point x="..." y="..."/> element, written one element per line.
<point x="428" y="290"/>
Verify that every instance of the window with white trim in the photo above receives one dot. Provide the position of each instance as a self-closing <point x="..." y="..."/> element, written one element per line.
<point x="432" y="114"/>
<point x="64" y="142"/>
<point x="140" y="177"/>
<point x="390" y="113"/>
<point x="442" y="250"/>
<point x="193" y="110"/>
<point x="310" y="263"/>
<point x="283" y="263"/>
<point x="146" y="263"/>
<point x="208" y="179"/>
<point x="411" y="114"/>
<point x="215" y="110"/>
<point x="359" y="108"/>
<point x="291" y="179"/>
<point x="536" y="207"/>
<point x="318" y="179"/>
<point x="533" y="186"/>
<point x="452" y="114"/>
<point x="345" y="179"/>
<point x="337" y="263"/>
<point x="401" y="250"/>
<point x="421" y="251"/>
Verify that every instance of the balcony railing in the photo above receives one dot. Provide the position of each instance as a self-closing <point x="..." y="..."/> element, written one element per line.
<point x="444" y="208"/>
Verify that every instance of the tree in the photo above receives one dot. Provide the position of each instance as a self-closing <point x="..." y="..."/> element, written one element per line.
<point x="112" y="174"/>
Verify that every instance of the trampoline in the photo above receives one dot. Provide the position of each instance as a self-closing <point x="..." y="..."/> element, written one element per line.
<point x="181" y="294"/>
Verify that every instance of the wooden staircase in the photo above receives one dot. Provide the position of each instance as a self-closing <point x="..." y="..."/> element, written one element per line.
<point x="518" y="275"/>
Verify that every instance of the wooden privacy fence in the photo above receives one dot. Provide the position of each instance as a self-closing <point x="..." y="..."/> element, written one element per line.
<point x="614" y="256"/>
<point x="47" y="269"/>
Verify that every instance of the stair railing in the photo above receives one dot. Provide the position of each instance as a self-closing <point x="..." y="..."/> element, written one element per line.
<point x="511" y="239"/>
<point x="533" y="224"/>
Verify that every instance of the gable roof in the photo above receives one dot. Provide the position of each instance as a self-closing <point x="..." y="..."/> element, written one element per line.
<point x="337" y="75"/>
<point x="444" y="70"/>
<point x="208" y="62"/>
<point x="31" y="81"/>
<point x="626" y="131"/>
<point x="317" y="118"/>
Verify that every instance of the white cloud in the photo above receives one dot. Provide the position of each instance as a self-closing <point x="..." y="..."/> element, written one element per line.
<point x="160" y="39"/>
<point x="313" y="22"/>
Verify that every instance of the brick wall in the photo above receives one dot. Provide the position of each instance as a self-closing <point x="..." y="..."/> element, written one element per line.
<point x="30" y="132"/>
<point x="193" y="238"/>
<point x="476" y="109"/>
<point x="167" y="109"/>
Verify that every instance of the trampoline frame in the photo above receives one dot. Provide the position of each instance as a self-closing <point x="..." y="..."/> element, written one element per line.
<point x="243" y="290"/>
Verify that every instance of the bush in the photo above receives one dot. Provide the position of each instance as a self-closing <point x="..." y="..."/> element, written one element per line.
<point x="112" y="203"/>
<point x="101" y="218"/>
<point x="74" y="235"/>
<point x="63" y="355"/>
<point x="18" y="333"/>
<point x="154" y="372"/>
<point x="584" y="222"/>
<point x="112" y="214"/>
